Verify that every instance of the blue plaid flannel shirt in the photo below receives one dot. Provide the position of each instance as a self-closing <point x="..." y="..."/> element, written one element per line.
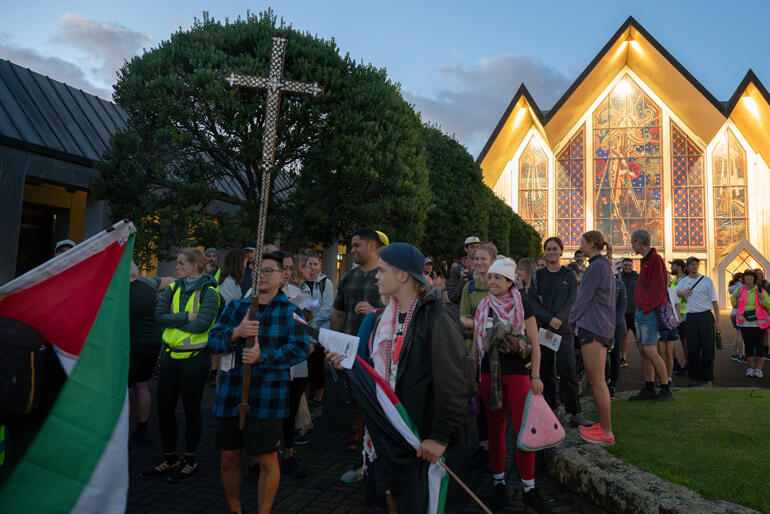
<point x="283" y="343"/>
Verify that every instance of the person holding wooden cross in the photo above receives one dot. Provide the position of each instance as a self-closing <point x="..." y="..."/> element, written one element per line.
<point x="282" y="343"/>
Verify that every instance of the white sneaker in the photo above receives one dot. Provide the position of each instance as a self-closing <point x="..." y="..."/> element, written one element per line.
<point x="758" y="373"/>
<point x="750" y="372"/>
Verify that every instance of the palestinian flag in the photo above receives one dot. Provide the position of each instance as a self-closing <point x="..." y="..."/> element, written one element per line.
<point x="78" y="301"/>
<point x="396" y="440"/>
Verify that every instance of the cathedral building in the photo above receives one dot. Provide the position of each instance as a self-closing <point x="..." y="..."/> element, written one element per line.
<point x="637" y="142"/>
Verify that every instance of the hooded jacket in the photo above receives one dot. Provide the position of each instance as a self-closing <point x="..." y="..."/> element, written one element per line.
<point x="207" y="313"/>
<point x="431" y="380"/>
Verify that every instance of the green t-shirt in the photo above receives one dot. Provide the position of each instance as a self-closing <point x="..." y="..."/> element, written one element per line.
<point x="469" y="302"/>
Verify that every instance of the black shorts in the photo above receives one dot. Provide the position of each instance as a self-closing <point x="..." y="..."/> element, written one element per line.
<point x="259" y="436"/>
<point x="140" y="368"/>
<point x="630" y="323"/>
<point x="586" y="336"/>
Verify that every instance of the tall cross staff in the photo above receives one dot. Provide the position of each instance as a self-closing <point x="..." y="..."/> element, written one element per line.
<point x="275" y="84"/>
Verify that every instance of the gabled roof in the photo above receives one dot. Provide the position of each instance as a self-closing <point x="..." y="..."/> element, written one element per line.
<point x="520" y="115"/>
<point x="45" y="116"/>
<point x="749" y="108"/>
<point x="634" y="47"/>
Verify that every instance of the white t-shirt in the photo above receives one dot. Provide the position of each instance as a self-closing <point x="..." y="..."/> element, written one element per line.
<point x="702" y="296"/>
<point x="674" y="299"/>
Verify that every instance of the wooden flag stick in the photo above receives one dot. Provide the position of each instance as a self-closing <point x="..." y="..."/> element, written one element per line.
<point x="467" y="489"/>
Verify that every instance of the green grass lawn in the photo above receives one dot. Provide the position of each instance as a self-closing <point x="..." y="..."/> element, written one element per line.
<point x="714" y="442"/>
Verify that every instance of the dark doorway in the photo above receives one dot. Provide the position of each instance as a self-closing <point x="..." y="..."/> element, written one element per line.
<point x="41" y="226"/>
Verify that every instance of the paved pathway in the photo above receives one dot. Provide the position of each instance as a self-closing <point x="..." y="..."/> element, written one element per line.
<point x="325" y="460"/>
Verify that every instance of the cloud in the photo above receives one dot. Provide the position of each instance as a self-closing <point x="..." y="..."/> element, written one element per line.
<point x="54" y="67"/>
<point x="106" y="45"/>
<point x="474" y="98"/>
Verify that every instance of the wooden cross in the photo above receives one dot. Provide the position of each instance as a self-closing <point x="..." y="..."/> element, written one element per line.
<point x="275" y="85"/>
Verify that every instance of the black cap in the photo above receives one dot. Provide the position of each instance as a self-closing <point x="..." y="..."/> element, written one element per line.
<point x="693" y="258"/>
<point x="678" y="262"/>
<point x="406" y="257"/>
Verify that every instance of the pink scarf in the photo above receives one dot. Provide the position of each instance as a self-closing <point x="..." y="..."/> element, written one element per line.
<point x="508" y="308"/>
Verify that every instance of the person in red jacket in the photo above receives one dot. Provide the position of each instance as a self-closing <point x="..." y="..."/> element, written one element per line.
<point x="651" y="293"/>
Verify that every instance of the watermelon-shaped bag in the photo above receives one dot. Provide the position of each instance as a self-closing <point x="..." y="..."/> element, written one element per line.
<point x="539" y="427"/>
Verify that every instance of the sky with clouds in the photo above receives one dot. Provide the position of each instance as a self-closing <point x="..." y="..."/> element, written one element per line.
<point x="458" y="62"/>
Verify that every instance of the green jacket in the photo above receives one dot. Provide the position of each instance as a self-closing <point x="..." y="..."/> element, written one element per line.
<point x="206" y="314"/>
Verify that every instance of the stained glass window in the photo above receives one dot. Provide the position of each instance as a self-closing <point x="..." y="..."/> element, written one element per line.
<point x="730" y="209"/>
<point x="687" y="168"/>
<point x="533" y="186"/>
<point x="570" y="190"/>
<point x="627" y="165"/>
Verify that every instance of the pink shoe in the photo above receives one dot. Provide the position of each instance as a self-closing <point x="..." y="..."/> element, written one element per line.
<point x="594" y="434"/>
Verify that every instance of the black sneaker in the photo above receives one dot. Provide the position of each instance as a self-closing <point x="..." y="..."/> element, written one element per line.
<point x="290" y="467"/>
<point x="533" y="500"/>
<point x="163" y="469"/>
<point x="499" y="498"/>
<point x="185" y="470"/>
<point x="664" y="395"/>
<point x="300" y="439"/>
<point x="612" y="392"/>
<point x="644" y="394"/>
<point x="623" y="363"/>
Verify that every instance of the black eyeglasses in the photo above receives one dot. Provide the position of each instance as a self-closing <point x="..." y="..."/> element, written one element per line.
<point x="269" y="271"/>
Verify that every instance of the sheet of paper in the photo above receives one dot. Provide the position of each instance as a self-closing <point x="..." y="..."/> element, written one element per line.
<point x="304" y="303"/>
<point x="227" y="362"/>
<point x="338" y="342"/>
<point x="553" y="342"/>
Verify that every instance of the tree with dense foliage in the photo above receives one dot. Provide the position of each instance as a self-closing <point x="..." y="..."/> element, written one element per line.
<point x="463" y="205"/>
<point x="186" y="169"/>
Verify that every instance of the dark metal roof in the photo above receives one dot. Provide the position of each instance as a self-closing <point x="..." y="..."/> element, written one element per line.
<point x="46" y="116"/>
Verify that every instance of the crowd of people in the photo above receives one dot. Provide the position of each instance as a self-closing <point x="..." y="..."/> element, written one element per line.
<point x="418" y="330"/>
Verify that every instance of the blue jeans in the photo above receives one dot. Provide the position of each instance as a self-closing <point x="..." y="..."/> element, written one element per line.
<point x="647" y="328"/>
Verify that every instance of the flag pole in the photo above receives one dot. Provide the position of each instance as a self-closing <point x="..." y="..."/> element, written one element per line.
<point x="467" y="489"/>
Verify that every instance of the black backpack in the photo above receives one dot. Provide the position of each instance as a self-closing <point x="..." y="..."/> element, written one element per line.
<point x="23" y="357"/>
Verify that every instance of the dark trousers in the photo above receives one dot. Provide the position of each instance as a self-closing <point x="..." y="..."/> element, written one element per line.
<point x="700" y="345"/>
<point x="298" y="386"/>
<point x="185" y="377"/>
<point x="620" y="332"/>
<point x="565" y="365"/>
<point x="315" y="369"/>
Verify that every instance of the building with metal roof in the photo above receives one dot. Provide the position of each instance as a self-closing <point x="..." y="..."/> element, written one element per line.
<point x="51" y="135"/>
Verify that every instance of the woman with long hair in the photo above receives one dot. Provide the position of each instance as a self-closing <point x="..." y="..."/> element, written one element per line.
<point x="506" y="381"/>
<point x="187" y="310"/>
<point x="230" y="278"/>
<point x="593" y="318"/>
<point x="525" y="272"/>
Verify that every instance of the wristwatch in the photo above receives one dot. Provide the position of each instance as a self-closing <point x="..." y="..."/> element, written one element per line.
<point x="534" y="376"/>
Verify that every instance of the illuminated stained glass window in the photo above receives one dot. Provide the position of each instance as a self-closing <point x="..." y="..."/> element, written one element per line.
<point x="688" y="190"/>
<point x="730" y="209"/>
<point x="627" y="165"/>
<point x="570" y="190"/>
<point x="533" y="186"/>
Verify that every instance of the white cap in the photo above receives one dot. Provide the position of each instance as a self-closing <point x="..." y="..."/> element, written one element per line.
<point x="472" y="239"/>
<point x="505" y="267"/>
<point x="65" y="242"/>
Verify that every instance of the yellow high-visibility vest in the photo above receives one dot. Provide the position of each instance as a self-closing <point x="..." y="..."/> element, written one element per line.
<point x="184" y="344"/>
<point x="682" y="301"/>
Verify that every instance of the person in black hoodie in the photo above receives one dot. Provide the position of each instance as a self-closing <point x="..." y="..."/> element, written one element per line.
<point x="555" y="289"/>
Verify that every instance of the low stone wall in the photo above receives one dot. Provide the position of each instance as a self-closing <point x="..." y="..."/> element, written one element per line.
<point x="611" y="483"/>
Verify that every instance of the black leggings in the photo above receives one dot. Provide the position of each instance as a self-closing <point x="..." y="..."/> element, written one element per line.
<point x="315" y="368"/>
<point x="185" y="377"/>
<point x="298" y="386"/>
<point x="754" y="337"/>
